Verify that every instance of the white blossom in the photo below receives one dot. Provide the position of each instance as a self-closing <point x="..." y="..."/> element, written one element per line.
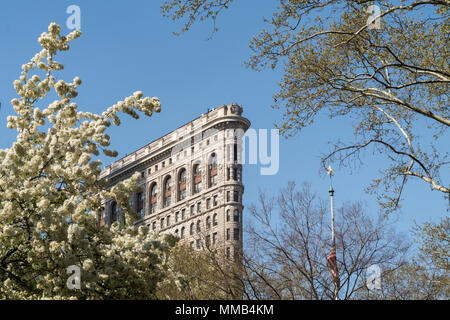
<point x="51" y="194"/>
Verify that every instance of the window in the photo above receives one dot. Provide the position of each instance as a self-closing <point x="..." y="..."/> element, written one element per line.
<point x="114" y="212"/>
<point x="183" y="213"/>
<point x="182" y="184"/>
<point x="208" y="241"/>
<point x="153" y="225"/>
<point x="214" y="160"/>
<point x="176" y="232"/>
<point x="162" y="223"/>
<point x="228" y="196"/>
<point x="216" y="200"/>
<point x="214" y="237"/>
<point x="199" y="226"/>
<point x="167" y="191"/>
<point x="215" y="219"/>
<point x="212" y="170"/>
<point x="236" y="215"/>
<point x="197" y="174"/>
<point x="228" y="252"/>
<point x="236" y="234"/>
<point x="168" y="220"/>
<point x="199" y="244"/>
<point x="192" y="245"/>
<point x="208" y="203"/>
<point x="192" y="210"/>
<point x="228" y="234"/>
<point x="191" y="229"/>
<point x="140" y="204"/>
<point x="236" y="196"/>
<point x="228" y="215"/>
<point x="177" y="217"/>
<point x="235" y="151"/>
<point x="153" y="198"/>
<point x="235" y="174"/>
<point x="199" y="207"/>
<point x="182" y="233"/>
<point x="208" y="222"/>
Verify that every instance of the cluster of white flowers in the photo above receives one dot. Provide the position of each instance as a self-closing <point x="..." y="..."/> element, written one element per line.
<point x="51" y="195"/>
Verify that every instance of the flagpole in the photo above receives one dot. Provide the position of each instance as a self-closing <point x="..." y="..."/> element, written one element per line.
<point x="331" y="191"/>
<point x="333" y="239"/>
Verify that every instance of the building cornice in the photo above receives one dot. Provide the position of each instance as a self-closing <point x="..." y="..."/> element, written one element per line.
<point x="161" y="148"/>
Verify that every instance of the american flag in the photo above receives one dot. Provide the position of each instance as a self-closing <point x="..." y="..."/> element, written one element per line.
<point x="332" y="265"/>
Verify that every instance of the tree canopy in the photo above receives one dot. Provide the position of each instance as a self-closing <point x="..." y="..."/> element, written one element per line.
<point x="51" y="195"/>
<point x="385" y="67"/>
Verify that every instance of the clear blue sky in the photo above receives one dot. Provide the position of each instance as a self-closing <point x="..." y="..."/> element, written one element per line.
<point x="129" y="46"/>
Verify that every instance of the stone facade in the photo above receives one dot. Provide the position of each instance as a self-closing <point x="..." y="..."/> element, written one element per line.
<point x="192" y="181"/>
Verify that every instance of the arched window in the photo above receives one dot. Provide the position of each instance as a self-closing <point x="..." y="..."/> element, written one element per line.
<point x="208" y="222"/>
<point x="176" y="232"/>
<point x="236" y="215"/>
<point x="153" y="197"/>
<point x="191" y="229"/>
<point x="212" y="170"/>
<point x="182" y="233"/>
<point x="182" y="184"/>
<point x="140" y="204"/>
<point x="228" y="215"/>
<point x="114" y="212"/>
<point x="197" y="181"/>
<point x="215" y="219"/>
<point x="167" y="195"/>
<point x="199" y="226"/>
<point x="162" y="223"/>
